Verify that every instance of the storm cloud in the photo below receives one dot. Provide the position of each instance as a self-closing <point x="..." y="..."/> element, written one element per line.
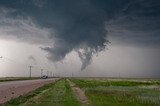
<point x="137" y="24"/>
<point x="83" y="25"/>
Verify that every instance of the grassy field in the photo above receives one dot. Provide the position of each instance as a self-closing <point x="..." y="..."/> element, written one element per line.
<point x="121" y="93"/>
<point x="58" y="94"/>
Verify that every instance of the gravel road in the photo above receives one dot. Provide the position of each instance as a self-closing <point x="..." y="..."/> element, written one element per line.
<point x="12" y="89"/>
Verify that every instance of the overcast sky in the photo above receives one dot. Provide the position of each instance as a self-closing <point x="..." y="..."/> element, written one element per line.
<point x="107" y="38"/>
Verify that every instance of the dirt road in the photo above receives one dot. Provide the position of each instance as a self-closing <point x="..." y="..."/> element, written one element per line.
<point x="12" y="89"/>
<point x="79" y="94"/>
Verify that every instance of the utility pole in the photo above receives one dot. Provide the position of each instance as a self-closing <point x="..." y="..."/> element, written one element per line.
<point x="30" y="69"/>
<point x="41" y="72"/>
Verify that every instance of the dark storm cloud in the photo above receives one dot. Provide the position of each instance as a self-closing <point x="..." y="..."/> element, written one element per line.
<point x="39" y="3"/>
<point x="21" y="27"/>
<point x="84" y="24"/>
<point x="137" y="24"/>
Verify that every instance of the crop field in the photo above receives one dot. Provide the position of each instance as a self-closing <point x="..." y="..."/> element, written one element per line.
<point x="121" y="92"/>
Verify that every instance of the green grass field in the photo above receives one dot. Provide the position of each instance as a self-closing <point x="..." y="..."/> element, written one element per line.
<point x="121" y="93"/>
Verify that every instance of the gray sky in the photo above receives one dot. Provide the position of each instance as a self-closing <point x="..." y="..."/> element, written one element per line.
<point x="108" y="38"/>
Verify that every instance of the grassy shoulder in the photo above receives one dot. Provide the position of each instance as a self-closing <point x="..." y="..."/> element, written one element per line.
<point x="120" y="93"/>
<point x="58" y="94"/>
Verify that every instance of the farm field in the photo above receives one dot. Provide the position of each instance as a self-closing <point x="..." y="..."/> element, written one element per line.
<point x="121" y="92"/>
